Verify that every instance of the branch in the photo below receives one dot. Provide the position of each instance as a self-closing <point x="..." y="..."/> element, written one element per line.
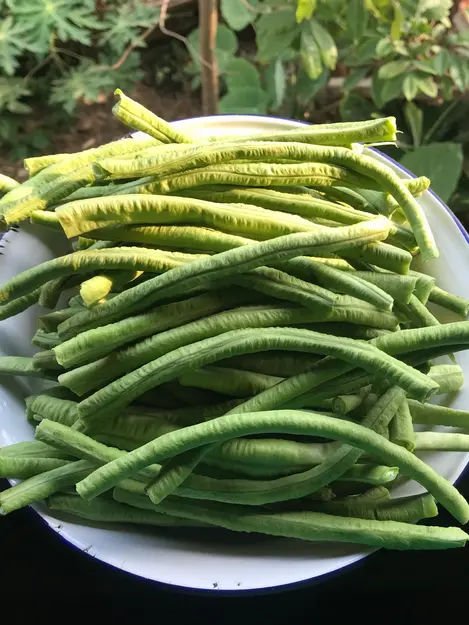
<point x="208" y="22"/>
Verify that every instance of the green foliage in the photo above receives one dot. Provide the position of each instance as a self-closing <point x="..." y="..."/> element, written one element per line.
<point x="63" y="52"/>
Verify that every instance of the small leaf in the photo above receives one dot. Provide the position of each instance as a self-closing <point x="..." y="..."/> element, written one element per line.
<point x="393" y="69"/>
<point x="414" y="117"/>
<point x="384" y="47"/>
<point x="275" y="32"/>
<point x="459" y="72"/>
<point x="399" y="46"/>
<point x="304" y="10"/>
<point x="306" y="88"/>
<point x="410" y="87"/>
<point x="366" y="51"/>
<point x="276" y="84"/>
<point x="398" y="22"/>
<point x="310" y="55"/>
<point x="354" y="78"/>
<point x="441" y="162"/>
<point x="383" y="91"/>
<point x="226" y="45"/>
<point x="241" y="74"/>
<point x="357" y="19"/>
<point x="428" y="86"/>
<point x="441" y="61"/>
<point x="244" y="101"/>
<point x="238" y="14"/>
<point x="425" y="66"/>
<point x="325" y="43"/>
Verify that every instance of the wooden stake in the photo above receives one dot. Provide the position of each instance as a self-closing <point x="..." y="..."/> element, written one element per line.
<point x="208" y="22"/>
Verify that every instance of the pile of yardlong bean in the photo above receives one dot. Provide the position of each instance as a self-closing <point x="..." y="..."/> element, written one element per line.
<point x="237" y="338"/>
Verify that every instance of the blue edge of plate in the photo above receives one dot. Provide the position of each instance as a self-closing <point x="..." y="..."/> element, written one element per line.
<point x="326" y="576"/>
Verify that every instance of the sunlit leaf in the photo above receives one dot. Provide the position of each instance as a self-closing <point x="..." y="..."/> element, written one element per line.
<point x="304" y="10"/>
<point x="441" y="162"/>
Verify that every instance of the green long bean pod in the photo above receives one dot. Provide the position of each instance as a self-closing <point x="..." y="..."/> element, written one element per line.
<point x="423" y="286"/>
<point x="96" y="288"/>
<point x="132" y="258"/>
<point x="59" y="180"/>
<point x="281" y="364"/>
<point x="45" y="340"/>
<point x="263" y="175"/>
<point x="291" y="422"/>
<point x="404" y="509"/>
<point x="399" y="287"/>
<point x="51" y="321"/>
<point x="374" y="474"/>
<point x="432" y="414"/>
<point x="23" y="365"/>
<point x="51" y="290"/>
<point x="340" y="281"/>
<point x="92" y="344"/>
<point x="419" y="314"/>
<point x="174" y="474"/>
<point x="18" y="305"/>
<point x="33" y="450"/>
<point x="22" y="468"/>
<point x="401" y="428"/>
<point x="222" y="266"/>
<point x="441" y="441"/>
<point x="43" y="485"/>
<point x="83" y="216"/>
<point x="456" y="304"/>
<point x="310" y="525"/>
<point x="7" y="184"/>
<point x="173" y="364"/>
<point x="180" y="237"/>
<point x="232" y="382"/>
<point x="340" y="133"/>
<point x="108" y="511"/>
<point x="138" y="117"/>
<point x="54" y="408"/>
<point x="46" y="218"/>
<point x="450" y="378"/>
<point x="99" y="372"/>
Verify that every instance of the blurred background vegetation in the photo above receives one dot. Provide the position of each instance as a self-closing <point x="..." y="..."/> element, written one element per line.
<point x="311" y="60"/>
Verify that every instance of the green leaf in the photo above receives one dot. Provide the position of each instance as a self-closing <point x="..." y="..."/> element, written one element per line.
<point x="384" y="47"/>
<point x="414" y="118"/>
<point x="354" y="78"/>
<point x="398" y="22"/>
<point x="354" y="107"/>
<point x="381" y="9"/>
<point x="306" y="88"/>
<point x="410" y="87"/>
<point x="238" y="14"/>
<point x="365" y="51"/>
<point x="325" y="43"/>
<point x="393" y="69"/>
<point x="441" y="162"/>
<point x="68" y="20"/>
<point x="241" y="74"/>
<point x="310" y="55"/>
<point x="124" y="25"/>
<point x="226" y="45"/>
<point x="383" y="91"/>
<point x="425" y="66"/>
<point x="434" y="9"/>
<point x="12" y="44"/>
<point x="459" y="72"/>
<point x="89" y="81"/>
<point x="428" y="86"/>
<point x="275" y="32"/>
<point x="305" y="10"/>
<point x="244" y="101"/>
<point x="357" y="19"/>
<point x="276" y="82"/>
<point x="441" y="61"/>
<point x="11" y="92"/>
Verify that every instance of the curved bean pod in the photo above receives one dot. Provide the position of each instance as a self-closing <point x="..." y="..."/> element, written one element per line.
<point x="140" y="118"/>
<point x="222" y="266"/>
<point x="135" y="258"/>
<point x="175" y="363"/>
<point x="291" y="422"/>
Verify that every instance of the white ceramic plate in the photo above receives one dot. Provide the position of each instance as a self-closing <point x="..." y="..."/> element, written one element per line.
<point x="195" y="560"/>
